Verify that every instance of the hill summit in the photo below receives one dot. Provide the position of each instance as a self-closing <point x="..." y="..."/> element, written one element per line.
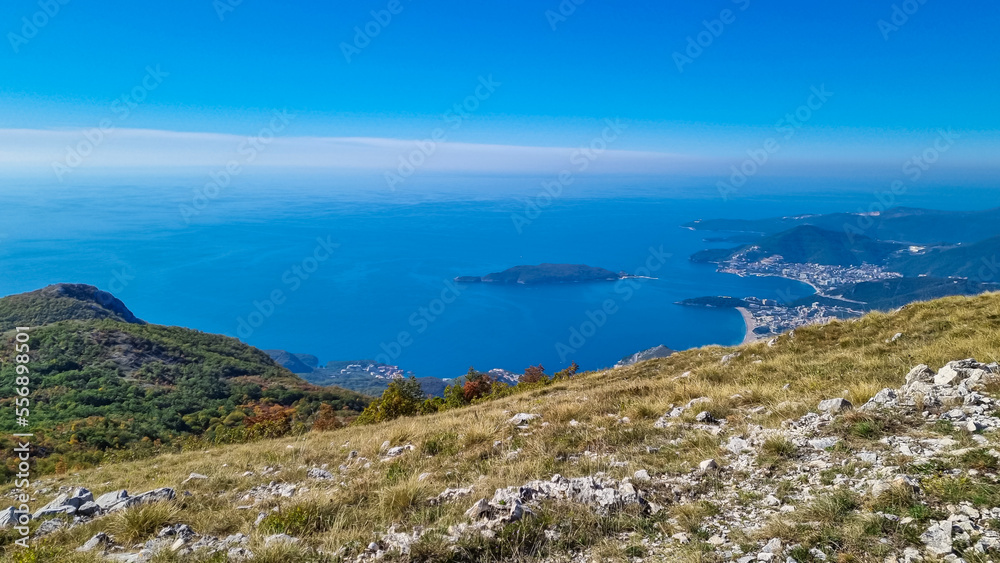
<point x="62" y="302"/>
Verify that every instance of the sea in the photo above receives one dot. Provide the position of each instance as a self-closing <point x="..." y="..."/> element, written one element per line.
<point x="347" y="269"/>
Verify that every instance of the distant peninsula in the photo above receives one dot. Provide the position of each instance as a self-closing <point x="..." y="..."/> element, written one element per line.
<point x="546" y="274"/>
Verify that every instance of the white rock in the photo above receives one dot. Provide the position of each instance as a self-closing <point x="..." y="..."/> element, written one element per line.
<point x="194" y="477"/>
<point x="824" y="443"/>
<point x="937" y="538"/>
<point x="736" y="444"/>
<point x="522" y="417"/>
<point x="947" y="376"/>
<point x="772" y="546"/>
<point x="834" y="405"/>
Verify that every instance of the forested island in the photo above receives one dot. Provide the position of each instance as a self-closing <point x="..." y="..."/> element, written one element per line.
<point x="546" y="274"/>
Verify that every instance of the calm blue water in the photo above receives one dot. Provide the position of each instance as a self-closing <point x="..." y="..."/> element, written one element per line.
<point x="389" y="275"/>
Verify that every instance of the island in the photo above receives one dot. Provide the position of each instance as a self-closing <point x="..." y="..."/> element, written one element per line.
<point x="546" y="274"/>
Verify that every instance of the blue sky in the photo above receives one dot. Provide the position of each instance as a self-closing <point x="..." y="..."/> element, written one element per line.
<point x="893" y="87"/>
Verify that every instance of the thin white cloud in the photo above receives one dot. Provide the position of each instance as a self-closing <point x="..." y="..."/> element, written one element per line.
<point x="46" y="150"/>
<point x="65" y="153"/>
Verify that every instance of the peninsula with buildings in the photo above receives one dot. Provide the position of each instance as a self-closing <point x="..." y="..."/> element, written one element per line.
<point x="849" y="271"/>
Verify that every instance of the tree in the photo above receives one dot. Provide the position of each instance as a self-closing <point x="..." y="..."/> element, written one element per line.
<point x="533" y="374"/>
<point x="568" y="372"/>
<point x="326" y="418"/>
<point x="403" y="398"/>
<point x="477" y="384"/>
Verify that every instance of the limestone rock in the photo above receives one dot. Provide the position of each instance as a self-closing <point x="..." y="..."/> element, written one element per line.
<point x="834" y="405"/>
<point x="938" y="538"/>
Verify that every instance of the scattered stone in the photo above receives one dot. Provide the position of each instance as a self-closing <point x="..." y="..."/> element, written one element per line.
<point x="156" y="495"/>
<point x="824" y="443"/>
<point x="708" y="465"/>
<point x="49" y="526"/>
<point x="836" y="405"/>
<point x="9" y="517"/>
<point x="449" y="495"/>
<point x="107" y="500"/>
<point x="193" y="477"/>
<point x="100" y="539"/>
<point x="947" y="375"/>
<point x="736" y="445"/>
<point x="938" y="538"/>
<point x="398" y="451"/>
<point x="522" y="418"/>
<point x="278" y="539"/>
<point x="319" y="474"/>
<point x="705" y="417"/>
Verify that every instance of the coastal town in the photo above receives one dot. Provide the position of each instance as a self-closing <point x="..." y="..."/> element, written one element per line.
<point x="821" y="277"/>
<point x="766" y="317"/>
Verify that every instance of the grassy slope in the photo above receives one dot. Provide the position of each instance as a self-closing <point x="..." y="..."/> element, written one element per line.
<point x="457" y="448"/>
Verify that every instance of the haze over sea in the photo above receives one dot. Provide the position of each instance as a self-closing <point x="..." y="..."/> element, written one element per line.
<point x="398" y="252"/>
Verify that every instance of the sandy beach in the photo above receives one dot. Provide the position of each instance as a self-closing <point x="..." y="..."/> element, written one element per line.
<point x="750" y="323"/>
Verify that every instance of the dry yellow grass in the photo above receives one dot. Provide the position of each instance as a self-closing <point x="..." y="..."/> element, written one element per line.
<point x="457" y="448"/>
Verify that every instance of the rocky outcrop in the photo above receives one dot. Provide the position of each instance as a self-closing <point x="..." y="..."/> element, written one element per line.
<point x="660" y="351"/>
<point x="79" y="503"/>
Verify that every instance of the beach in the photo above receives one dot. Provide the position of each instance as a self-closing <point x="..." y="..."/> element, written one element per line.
<point x="750" y="324"/>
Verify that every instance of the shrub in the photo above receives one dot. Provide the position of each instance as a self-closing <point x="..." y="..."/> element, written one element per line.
<point x="302" y="519"/>
<point x="404" y="397"/>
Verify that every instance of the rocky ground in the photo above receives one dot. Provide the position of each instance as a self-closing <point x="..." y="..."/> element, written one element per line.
<point x="911" y="475"/>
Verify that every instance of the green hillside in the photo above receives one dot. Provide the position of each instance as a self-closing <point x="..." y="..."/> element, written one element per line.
<point x="901" y="224"/>
<point x="977" y="261"/>
<point x="809" y="244"/>
<point x="103" y="387"/>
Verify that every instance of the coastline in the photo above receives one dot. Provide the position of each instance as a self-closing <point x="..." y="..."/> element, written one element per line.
<point x="750" y="324"/>
<point x="815" y="289"/>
